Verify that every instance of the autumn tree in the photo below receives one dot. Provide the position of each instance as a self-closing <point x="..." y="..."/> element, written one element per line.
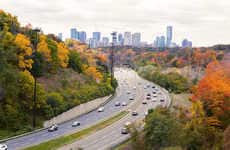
<point x="24" y="51"/>
<point x="214" y="91"/>
<point x="93" y="73"/>
<point x="63" y="54"/>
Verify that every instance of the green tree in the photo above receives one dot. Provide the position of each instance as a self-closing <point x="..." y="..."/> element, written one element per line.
<point x="161" y="129"/>
<point x="55" y="100"/>
<point x="75" y="61"/>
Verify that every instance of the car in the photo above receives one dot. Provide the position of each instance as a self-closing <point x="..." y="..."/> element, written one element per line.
<point x="154" y="100"/>
<point x="162" y="100"/>
<point x="148" y="94"/>
<point x="154" y="92"/>
<point x="154" y="95"/>
<point x="124" y="104"/>
<point x="134" y="113"/>
<point x="153" y="87"/>
<point x="3" y="147"/>
<point x="134" y="88"/>
<point x="144" y="102"/>
<point x="148" y="85"/>
<point x="101" y="109"/>
<point x="54" y="127"/>
<point x="124" y="130"/>
<point x="76" y="123"/>
<point x="128" y="92"/>
<point x="127" y="124"/>
<point x="131" y="98"/>
<point x="146" y="113"/>
<point x="117" y="104"/>
<point x="148" y="97"/>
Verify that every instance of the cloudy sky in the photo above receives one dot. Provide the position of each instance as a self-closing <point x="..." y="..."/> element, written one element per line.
<point x="205" y="22"/>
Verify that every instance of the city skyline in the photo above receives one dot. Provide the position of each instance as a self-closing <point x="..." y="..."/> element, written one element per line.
<point x="193" y="19"/>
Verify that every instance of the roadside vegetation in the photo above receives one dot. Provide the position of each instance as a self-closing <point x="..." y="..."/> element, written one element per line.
<point x="68" y="74"/>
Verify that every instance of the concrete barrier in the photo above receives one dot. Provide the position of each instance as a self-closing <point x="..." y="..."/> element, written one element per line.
<point x="77" y="111"/>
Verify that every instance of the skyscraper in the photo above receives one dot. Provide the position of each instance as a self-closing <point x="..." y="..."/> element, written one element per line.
<point x="169" y="36"/>
<point x="59" y="36"/>
<point x="162" y="42"/>
<point x="127" y="39"/>
<point x="105" y="41"/>
<point x="82" y="36"/>
<point x="73" y="34"/>
<point x="136" y="39"/>
<point x="120" y="39"/>
<point x="97" y="36"/>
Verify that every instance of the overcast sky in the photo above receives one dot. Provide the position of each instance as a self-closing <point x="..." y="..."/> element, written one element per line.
<point x="205" y="22"/>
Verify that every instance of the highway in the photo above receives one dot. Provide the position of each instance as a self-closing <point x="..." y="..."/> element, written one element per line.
<point x="127" y="80"/>
<point x="111" y="135"/>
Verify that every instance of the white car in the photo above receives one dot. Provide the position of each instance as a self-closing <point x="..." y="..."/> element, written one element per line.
<point x="146" y="113"/>
<point x="76" y="123"/>
<point x="128" y="92"/>
<point x="54" y="127"/>
<point x="3" y="147"/>
<point x="134" y="88"/>
<point x="117" y="104"/>
<point x="127" y="124"/>
<point x="101" y="109"/>
<point x="124" y="104"/>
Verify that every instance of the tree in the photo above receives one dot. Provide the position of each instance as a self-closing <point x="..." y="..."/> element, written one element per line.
<point x="75" y="61"/>
<point x="63" y="54"/>
<point x="42" y="48"/>
<point x="55" y="100"/>
<point x="214" y="92"/>
<point x="161" y="129"/>
<point x="93" y="73"/>
<point x="24" y="50"/>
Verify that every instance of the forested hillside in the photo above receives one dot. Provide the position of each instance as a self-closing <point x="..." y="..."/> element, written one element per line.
<point x="68" y="74"/>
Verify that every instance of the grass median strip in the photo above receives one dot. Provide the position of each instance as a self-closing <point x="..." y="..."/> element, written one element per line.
<point x="63" y="140"/>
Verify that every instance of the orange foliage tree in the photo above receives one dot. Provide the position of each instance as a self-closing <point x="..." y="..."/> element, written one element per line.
<point x="214" y="91"/>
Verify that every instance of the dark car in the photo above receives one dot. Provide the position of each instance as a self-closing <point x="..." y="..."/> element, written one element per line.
<point x="53" y="128"/>
<point x="148" y="94"/>
<point x="134" y="113"/>
<point x="162" y="100"/>
<point x="148" y="98"/>
<point x="144" y="102"/>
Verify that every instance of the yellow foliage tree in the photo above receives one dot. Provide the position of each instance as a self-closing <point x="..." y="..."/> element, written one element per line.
<point x="93" y="73"/>
<point x="63" y="54"/>
<point x="42" y="48"/>
<point x="24" y="50"/>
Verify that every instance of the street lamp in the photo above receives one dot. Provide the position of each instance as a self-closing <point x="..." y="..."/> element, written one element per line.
<point x="114" y="38"/>
<point x="36" y="30"/>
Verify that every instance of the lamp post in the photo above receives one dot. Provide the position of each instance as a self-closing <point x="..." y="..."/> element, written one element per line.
<point x="114" y="38"/>
<point x="37" y="30"/>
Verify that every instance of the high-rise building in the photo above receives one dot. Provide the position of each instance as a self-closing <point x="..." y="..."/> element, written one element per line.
<point x="74" y="34"/>
<point x="105" y="41"/>
<point x="169" y="34"/>
<point x="136" y="39"/>
<point x="120" y="39"/>
<point x="59" y="36"/>
<point x="92" y="43"/>
<point x="82" y="36"/>
<point x="127" y="39"/>
<point x="186" y="43"/>
<point x="162" y="42"/>
<point x="97" y="36"/>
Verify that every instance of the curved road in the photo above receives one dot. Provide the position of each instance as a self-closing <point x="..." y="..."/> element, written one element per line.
<point x="127" y="79"/>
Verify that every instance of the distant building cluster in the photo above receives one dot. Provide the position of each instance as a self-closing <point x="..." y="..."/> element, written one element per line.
<point x="126" y="39"/>
<point x="163" y="42"/>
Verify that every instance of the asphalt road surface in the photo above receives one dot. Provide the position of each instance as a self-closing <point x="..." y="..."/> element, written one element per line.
<point x="103" y="139"/>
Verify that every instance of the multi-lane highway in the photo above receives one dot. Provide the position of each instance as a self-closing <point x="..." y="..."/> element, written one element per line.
<point x="111" y="135"/>
<point x="127" y="80"/>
